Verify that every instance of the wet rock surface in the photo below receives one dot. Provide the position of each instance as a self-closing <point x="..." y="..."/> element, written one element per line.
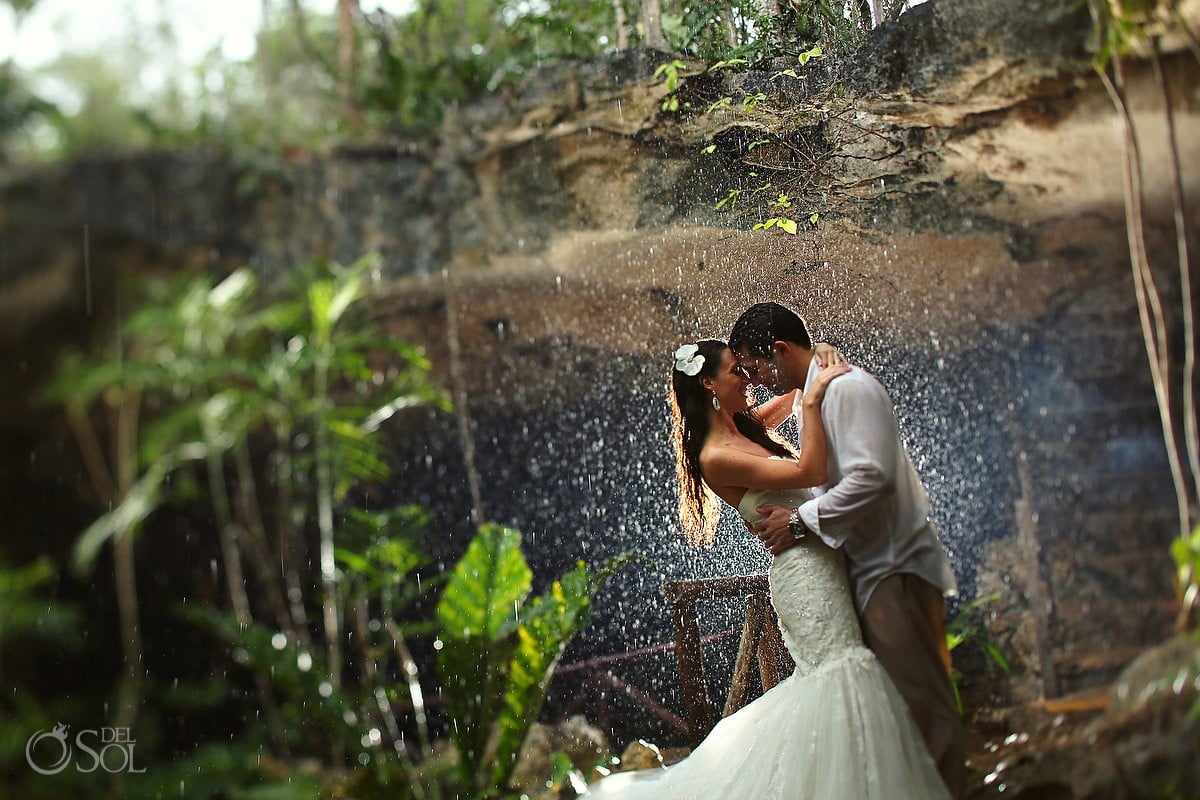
<point x="1136" y="739"/>
<point x="970" y="250"/>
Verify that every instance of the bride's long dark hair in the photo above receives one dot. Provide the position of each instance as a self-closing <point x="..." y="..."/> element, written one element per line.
<point x="699" y="509"/>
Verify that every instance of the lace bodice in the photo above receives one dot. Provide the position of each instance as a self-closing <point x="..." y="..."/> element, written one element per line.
<point x="810" y="592"/>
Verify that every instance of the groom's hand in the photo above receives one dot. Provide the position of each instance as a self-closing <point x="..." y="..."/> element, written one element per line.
<point x="773" y="528"/>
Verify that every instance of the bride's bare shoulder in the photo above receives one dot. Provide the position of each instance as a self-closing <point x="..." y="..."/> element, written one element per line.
<point x="712" y="454"/>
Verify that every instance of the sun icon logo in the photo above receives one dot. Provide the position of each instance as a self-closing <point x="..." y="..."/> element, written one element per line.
<point x="59" y="734"/>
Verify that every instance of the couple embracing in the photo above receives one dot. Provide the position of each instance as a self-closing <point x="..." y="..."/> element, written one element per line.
<point x="858" y="578"/>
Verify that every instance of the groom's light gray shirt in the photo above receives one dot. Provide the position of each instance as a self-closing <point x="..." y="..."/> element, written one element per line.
<point x="873" y="505"/>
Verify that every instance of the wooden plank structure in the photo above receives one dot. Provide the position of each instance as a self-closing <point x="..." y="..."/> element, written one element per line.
<point x="760" y="643"/>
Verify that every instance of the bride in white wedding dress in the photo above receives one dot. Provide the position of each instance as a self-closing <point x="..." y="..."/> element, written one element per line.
<point x="837" y="728"/>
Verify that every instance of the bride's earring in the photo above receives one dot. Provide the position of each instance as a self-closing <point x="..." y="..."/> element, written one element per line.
<point x="716" y="403"/>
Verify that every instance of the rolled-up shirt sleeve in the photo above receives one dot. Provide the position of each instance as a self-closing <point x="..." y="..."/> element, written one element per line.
<point x="862" y="438"/>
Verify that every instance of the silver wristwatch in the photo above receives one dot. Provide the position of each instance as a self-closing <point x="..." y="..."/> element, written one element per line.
<point x="796" y="525"/>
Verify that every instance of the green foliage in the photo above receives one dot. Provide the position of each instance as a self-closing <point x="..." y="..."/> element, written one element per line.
<point x="546" y="625"/>
<point x="20" y="109"/>
<point x="219" y="364"/>
<point x="1117" y="28"/>
<point x="407" y="70"/>
<point x="716" y="31"/>
<point x="966" y="628"/>
<point x="377" y="560"/>
<point x="439" y="55"/>
<point x="24" y="615"/>
<point x="21" y="7"/>
<point x="223" y="770"/>
<point x="785" y="224"/>
<point x="727" y="64"/>
<point x="379" y="551"/>
<point x="103" y="115"/>
<point x="498" y="651"/>
<point x="751" y="101"/>
<point x="755" y="108"/>
<point x="33" y="626"/>
<point x="135" y="506"/>
<point x="780" y="203"/>
<point x="740" y="32"/>
<point x="809" y="54"/>
<point x="311" y="708"/>
<point x="719" y="105"/>
<point x="478" y="615"/>
<point x="670" y="73"/>
<point x="1186" y="553"/>
<point x="728" y="200"/>
<point x="268" y="406"/>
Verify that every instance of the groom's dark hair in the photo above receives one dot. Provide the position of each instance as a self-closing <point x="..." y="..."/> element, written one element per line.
<point x="763" y="324"/>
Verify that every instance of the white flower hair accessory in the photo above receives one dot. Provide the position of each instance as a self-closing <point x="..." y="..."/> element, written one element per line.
<point x="688" y="359"/>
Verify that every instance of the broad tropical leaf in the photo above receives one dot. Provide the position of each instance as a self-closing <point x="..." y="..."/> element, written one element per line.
<point x="547" y="624"/>
<point x="488" y="584"/>
<point x="477" y="612"/>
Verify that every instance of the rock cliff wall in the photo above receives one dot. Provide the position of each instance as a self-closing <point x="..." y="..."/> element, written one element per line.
<point x="559" y="241"/>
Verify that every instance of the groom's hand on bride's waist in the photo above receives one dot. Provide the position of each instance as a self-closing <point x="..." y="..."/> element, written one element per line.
<point x="774" y="529"/>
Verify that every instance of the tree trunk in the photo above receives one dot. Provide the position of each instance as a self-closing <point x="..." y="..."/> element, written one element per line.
<point x="622" y="25"/>
<point x="264" y="61"/>
<point x="124" y="570"/>
<point x="876" y="11"/>
<point x="731" y="32"/>
<point x="652" y="32"/>
<point x="255" y="540"/>
<point x="230" y="532"/>
<point x="330" y="594"/>
<point x="348" y="11"/>
<point x="462" y="406"/>
<point x="306" y="43"/>
<point x="291" y="538"/>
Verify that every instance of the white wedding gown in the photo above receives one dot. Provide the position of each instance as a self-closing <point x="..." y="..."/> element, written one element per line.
<point x="836" y="728"/>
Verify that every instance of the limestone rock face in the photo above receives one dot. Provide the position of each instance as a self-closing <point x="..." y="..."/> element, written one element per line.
<point x="641" y="754"/>
<point x="561" y="240"/>
<point x="1137" y="739"/>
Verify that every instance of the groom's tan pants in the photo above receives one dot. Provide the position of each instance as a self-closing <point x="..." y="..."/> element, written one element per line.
<point x="904" y="624"/>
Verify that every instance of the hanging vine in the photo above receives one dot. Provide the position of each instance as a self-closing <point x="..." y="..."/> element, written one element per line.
<point x="1123" y="30"/>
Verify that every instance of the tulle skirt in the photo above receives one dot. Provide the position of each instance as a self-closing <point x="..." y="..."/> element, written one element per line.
<point x="841" y="732"/>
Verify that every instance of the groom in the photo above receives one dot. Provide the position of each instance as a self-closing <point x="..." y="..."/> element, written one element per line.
<point x="874" y="508"/>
